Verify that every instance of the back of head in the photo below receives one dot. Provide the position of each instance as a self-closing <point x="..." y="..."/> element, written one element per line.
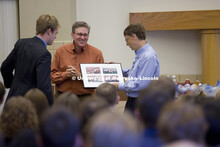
<point x="69" y="101"/>
<point x="166" y="84"/>
<point x="112" y="129"/>
<point x="212" y="114"/>
<point x="38" y="99"/>
<point x="2" y="92"/>
<point x="136" y="29"/>
<point x="79" y="24"/>
<point x="150" y="103"/>
<point x="45" y="22"/>
<point x="108" y="92"/>
<point x="182" y="121"/>
<point x="18" y="114"/>
<point x="58" y="128"/>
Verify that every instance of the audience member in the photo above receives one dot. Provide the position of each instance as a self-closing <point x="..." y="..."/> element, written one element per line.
<point x="166" y="84"/>
<point x="28" y="64"/>
<point x="111" y="129"/>
<point x="212" y="114"/>
<point x="38" y="99"/>
<point x="90" y="107"/>
<point x="26" y="138"/>
<point x="65" y="68"/>
<point x="182" y="122"/>
<point x="149" y="105"/>
<point x="58" y="128"/>
<point x="18" y="114"/>
<point x="109" y="93"/>
<point x="69" y="101"/>
<point x="2" y="143"/>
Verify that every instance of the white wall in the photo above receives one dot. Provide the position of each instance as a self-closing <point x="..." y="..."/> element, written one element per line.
<point x="8" y="30"/>
<point x="179" y="51"/>
<point x="63" y="10"/>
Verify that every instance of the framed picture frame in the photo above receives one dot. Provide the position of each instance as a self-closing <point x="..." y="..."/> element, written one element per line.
<point x="95" y="74"/>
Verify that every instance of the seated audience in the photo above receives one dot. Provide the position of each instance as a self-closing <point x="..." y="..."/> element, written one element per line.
<point x="182" y="122"/>
<point x="58" y="128"/>
<point x="18" y="114"/>
<point x="38" y="99"/>
<point x="108" y="92"/>
<point x="111" y="129"/>
<point x="149" y="105"/>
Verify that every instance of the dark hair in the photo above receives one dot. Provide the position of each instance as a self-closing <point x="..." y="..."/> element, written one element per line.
<point x="212" y="114"/>
<point x="182" y="121"/>
<point x="136" y="29"/>
<point x="108" y="92"/>
<point x="2" y="91"/>
<point x="150" y="103"/>
<point x="45" y="22"/>
<point x="79" y="24"/>
<point x="59" y="128"/>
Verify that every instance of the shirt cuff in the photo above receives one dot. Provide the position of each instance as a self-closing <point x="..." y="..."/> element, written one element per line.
<point x="121" y="86"/>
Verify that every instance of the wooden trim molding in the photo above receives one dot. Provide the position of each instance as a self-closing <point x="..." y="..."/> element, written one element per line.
<point x="177" y="20"/>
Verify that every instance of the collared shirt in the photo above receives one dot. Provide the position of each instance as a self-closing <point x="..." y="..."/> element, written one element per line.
<point x="66" y="56"/>
<point x="42" y="40"/>
<point x="144" y="69"/>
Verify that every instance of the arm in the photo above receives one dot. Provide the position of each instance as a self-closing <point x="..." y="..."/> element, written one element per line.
<point x="43" y="76"/>
<point x="8" y="67"/>
<point x="57" y="76"/>
<point x="138" y="80"/>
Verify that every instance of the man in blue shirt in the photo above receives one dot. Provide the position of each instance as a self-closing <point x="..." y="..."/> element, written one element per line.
<point x="144" y="68"/>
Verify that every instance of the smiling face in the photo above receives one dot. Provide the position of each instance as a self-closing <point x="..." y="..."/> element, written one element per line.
<point x="80" y="36"/>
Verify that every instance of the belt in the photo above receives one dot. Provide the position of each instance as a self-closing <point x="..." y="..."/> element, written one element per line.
<point x="130" y="98"/>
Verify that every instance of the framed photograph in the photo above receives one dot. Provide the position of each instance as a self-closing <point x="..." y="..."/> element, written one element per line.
<point x="95" y="74"/>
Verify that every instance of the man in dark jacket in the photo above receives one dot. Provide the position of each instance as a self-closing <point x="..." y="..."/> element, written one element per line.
<point x="31" y="61"/>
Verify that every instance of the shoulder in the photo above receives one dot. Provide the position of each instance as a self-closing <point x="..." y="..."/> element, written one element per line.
<point x="93" y="49"/>
<point x="65" y="47"/>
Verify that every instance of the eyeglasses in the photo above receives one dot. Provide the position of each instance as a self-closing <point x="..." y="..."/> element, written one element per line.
<point x="80" y="35"/>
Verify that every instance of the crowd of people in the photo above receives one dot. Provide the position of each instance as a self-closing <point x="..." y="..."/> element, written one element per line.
<point x="159" y="119"/>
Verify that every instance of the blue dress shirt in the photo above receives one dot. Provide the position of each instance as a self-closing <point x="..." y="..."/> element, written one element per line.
<point x="145" y="68"/>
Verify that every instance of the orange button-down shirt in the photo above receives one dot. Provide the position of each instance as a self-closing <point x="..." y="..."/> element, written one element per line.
<point x="66" y="56"/>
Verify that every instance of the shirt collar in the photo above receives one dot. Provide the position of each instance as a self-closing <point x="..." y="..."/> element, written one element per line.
<point x="42" y="40"/>
<point x="141" y="50"/>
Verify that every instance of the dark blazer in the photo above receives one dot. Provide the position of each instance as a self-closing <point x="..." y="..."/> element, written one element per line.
<point x="31" y="61"/>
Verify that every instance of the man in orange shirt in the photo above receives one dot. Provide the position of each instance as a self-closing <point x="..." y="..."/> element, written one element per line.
<point x="65" y="68"/>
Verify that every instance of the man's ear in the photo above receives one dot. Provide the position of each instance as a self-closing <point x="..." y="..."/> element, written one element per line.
<point x="49" y="31"/>
<point x="134" y="37"/>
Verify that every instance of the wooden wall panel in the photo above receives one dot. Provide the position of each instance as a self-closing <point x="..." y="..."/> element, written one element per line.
<point x="177" y="20"/>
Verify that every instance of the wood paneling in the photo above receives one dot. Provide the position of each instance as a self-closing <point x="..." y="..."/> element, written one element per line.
<point x="210" y="56"/>
<point x="178" y="20"/>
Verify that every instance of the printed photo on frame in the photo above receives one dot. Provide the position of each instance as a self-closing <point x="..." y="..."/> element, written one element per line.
<point x="95" y="74"/>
